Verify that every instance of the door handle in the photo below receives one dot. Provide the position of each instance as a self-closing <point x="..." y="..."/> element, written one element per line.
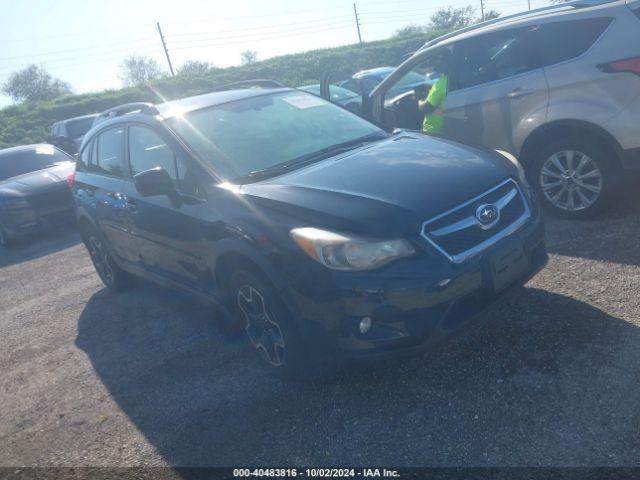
<point x="131" y="206"/>
<point x="517" y="93"/>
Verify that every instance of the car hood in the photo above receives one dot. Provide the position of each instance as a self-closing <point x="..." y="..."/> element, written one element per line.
<point x="391" y="186"/>
<point x="41" y="180"/>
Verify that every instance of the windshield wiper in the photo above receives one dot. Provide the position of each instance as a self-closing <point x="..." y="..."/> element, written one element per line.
<point x="312" y="157"/>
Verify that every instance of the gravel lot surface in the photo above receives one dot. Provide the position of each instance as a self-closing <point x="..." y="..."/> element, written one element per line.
<point x="145" y="377"/>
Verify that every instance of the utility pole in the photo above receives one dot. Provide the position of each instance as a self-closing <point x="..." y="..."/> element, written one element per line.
<point x="529" y="2"/>
<point x="166" y="52"/>
<point x="482" y="9"/>
<point x="355" y="12"/>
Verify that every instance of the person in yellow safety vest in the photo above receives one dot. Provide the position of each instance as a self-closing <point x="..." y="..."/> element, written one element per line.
<point x="433" y="105"/>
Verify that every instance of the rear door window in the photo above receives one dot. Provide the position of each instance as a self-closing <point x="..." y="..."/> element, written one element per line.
<point x="85" y="157"/>
<point x="496" y="56"/>
<point x="108" y="152"/>
<point x="562" y="41"/>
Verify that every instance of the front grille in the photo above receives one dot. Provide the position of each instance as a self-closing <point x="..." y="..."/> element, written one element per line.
<point x="458" y="234"/>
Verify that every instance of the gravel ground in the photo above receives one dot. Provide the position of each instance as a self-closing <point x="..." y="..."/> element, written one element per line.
<point x="144" y="378"/>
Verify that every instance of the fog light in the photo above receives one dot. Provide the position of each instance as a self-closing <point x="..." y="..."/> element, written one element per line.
<point x="365" y="325"/>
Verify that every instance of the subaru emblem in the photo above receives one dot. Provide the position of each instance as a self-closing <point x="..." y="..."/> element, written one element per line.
<point x="487" y="216"/>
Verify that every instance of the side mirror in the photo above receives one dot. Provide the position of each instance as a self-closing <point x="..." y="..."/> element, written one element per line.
<point x="154" y="182"/>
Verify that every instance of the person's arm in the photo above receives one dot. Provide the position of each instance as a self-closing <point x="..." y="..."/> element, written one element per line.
<point x="434" y="100"/>
<point x="425" y="107"/>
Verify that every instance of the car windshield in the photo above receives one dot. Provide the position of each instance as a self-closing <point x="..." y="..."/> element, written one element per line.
<point x="78" y="128"/>
<point x="268" y="131"/>
<point x="18" y="163"/>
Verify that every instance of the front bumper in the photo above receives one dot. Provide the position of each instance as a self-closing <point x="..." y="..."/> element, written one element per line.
<point x="414" y="304"/>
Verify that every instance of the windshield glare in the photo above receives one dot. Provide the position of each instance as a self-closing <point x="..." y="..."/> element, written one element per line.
<point x="265" y="131"/>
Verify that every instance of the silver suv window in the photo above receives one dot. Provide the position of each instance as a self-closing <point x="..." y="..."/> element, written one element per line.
<point x="506" y="53"/>
<point x="495" y="56"/>
<point x="562" y="41"/>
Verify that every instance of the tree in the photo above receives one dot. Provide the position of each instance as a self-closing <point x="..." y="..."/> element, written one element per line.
<point x="248" y="56"/>
<point x="491" y="14"/>
<point x="452" y="18"/>
<point x="34" y="83"/>
<point x="136" y="70"/>
<point x="195" y="67"/>
<point x="411" y="29"/>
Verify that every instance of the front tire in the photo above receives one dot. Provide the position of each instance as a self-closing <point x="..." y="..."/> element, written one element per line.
<point x="574" y="177"/>
<point x="113" y="277"/>
<point x="268" y="325"/>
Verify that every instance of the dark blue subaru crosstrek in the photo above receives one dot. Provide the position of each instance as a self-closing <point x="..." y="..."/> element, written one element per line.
<point x="327" y="236"/>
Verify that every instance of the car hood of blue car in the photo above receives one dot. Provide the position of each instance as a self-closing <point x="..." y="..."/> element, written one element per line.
<point x="389" y="186"/>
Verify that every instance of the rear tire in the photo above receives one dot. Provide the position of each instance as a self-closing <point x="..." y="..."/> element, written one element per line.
<point x="113" y="277"/>
<point x="574" y="176"/>
<point x="269" y="326"/>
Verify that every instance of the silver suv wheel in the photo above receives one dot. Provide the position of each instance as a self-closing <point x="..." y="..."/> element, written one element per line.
<point x="571" y="180"/>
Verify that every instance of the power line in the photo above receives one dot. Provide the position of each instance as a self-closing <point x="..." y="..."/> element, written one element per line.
<point x="67" y="51"/>
<point x="318" y="20"/>
<point x="306" y="32"/>
<point x="255" y="34"/>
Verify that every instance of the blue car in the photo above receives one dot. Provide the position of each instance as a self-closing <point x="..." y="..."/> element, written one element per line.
<point x="365" y="81"/>
<point x="325" y="237"/>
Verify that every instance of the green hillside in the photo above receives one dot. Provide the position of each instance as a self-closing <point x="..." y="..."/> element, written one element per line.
<point x="29" y="122"/>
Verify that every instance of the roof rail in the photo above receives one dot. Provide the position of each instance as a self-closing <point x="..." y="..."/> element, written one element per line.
<point x="142" y="107"/>
<point x="255" y="83"/>
<point x="559" y="6"/>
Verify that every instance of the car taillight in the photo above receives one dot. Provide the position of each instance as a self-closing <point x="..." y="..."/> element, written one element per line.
<point x="630" y="65"/>
<point x="71" y="178"/>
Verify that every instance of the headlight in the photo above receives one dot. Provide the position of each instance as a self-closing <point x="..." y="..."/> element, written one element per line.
<point x="522" y="177"/>
<point x="348" y="252"/>
<point x="13" y="203"/>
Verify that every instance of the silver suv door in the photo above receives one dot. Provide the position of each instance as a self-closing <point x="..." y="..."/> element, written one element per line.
<point x="498" y="92"/>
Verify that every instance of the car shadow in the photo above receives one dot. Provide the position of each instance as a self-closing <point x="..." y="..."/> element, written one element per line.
<point x="547" y="380"/>
<point x="39" y="245"/>
<point x="612" y="236"/>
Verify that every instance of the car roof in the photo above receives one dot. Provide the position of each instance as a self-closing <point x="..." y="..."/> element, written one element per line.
<point x="189" y="104"/>
<point x="81" y="117"/>
<point x="24" y="148"/>
<point x="524" y="18"/>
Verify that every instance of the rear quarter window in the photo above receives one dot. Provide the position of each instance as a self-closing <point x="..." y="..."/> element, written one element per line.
<point x="107" y="155"/>
<point x="562" y="41"/>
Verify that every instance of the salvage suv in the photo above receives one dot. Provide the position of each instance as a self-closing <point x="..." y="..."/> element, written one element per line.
<point x="326" y="236"/>
<point x="558" y="87"/>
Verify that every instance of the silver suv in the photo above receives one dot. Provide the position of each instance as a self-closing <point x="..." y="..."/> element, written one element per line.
<point x="558" y="87"/>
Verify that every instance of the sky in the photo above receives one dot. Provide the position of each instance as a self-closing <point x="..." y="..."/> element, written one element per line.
<point x="83" y="41"/>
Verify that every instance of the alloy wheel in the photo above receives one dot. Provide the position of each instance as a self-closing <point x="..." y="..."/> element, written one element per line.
<point x="571" y="180"/>
<point x="262" y="328"/>
<point x="101" y="259"/>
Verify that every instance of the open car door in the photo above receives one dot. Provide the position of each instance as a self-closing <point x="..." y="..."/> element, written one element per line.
<point x="341" y="96"/>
